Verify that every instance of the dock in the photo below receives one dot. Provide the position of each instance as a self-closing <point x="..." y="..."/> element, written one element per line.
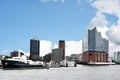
<point x="101" y="63"/>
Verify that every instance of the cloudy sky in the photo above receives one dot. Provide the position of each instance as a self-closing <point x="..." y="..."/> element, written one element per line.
<point x="54" y="20"/>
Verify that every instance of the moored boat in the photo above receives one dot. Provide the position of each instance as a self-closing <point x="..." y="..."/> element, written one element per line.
<point x="21" y="62"/>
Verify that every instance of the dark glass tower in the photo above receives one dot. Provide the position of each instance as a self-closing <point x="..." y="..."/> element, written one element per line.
<point x="34" y="49"/>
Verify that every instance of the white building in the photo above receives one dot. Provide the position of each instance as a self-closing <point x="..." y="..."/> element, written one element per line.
<point x="117" y="57"/>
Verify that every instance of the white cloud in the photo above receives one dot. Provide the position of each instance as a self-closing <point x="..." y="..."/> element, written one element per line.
<point x="99" y="20"/>
<point x="55" y="46"/>
<point x="45" y="47"/>
<point x="112" y="32"/>
<point x="73" y="47"/>
<point x="103" y="31"/>
<point x="62" y="1"/>
<point x="108" y="6"/>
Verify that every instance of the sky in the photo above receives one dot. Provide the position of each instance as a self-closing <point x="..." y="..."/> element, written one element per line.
<point x="54" y="20"/>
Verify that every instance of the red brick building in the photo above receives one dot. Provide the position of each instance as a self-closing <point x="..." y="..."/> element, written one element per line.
<point x="94" y="57"/>
<point x="62" y="45"/>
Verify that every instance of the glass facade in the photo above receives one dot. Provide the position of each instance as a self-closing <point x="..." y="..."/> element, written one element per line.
<point x="34" y="49"/>
<point x="94" y="42"/>
<point x="35" y="46"/>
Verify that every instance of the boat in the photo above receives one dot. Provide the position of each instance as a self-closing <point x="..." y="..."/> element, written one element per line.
<point x="21" y="62"/>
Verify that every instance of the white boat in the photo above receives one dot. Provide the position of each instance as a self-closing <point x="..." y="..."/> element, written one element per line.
<point x="21" y="62"/>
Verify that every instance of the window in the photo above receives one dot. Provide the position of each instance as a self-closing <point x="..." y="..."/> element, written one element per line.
<point x="90" y="54"/>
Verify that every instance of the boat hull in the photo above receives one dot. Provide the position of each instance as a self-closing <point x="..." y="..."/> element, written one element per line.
<point x="9" y="64"/>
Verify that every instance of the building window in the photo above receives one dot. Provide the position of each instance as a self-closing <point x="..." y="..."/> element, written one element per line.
<point x="90" y="54"/>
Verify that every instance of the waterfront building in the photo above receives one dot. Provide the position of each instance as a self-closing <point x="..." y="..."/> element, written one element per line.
<point x="58" y="54"/>
<point x="75" y="57"/>
<point x="94" y="47"/>
<point x="47" y="57"/>
<point x="16" y="53"/>
<point x="62" y="46"/>
<point x="0" y="57"/>
<point x="117" y="57"/>
<point x="34" y="49"/>
<point x="68" y="58"/>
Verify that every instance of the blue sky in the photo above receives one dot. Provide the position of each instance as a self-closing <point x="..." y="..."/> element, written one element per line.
<point x="53" y="20"/>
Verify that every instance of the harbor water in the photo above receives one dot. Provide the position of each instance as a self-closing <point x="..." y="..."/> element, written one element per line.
<point x="81" y="72"/>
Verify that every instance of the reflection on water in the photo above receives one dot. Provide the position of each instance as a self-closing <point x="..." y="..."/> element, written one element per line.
<point x="80" y="72"/>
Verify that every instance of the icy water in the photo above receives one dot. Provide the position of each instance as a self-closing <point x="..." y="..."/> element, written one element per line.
<point x="81" y="72"/>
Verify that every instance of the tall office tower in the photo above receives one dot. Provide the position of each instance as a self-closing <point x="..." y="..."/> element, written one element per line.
<point x="94" y="47"/>
<point x="62" y="45"/>
<point x="34" y="49"/>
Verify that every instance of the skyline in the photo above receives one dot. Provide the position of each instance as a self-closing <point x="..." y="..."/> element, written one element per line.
<point x="54" y="20"/>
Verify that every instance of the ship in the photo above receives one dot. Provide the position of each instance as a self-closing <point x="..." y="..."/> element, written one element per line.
<point x="22" y="62"/>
